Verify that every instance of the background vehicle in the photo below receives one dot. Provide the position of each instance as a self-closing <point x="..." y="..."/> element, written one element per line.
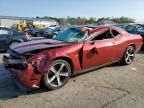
<point x="9" y="37"/>
<point x="38" y="32"/>
<point x="123" y="26"/>
<point x="104" y="22"/>
<point x="53" y="33"/>
<point x="142" y="25"/>
<point x="135" y="29"/>
<point x="32" y="31"/>
<point x="71" y="52"/>
<point x="53" y="26"/>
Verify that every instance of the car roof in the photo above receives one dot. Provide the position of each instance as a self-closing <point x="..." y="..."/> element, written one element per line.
<point x="103" y="28"/>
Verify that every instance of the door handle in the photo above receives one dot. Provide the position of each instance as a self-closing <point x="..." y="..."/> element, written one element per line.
<point x="94" y="50"/>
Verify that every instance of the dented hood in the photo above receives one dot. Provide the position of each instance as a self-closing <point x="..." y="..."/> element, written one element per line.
<point x="36" y="45"/>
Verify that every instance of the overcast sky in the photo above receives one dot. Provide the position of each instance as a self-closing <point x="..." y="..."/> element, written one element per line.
<point x="73" y="8"/>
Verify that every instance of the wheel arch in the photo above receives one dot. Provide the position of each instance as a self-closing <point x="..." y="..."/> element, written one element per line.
<point x="132" y="44"/>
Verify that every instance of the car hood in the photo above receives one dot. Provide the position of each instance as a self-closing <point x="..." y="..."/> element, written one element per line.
<point x="37" y="45"/>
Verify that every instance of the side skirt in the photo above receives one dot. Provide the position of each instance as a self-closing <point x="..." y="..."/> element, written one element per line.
<point x="93" y="68"/>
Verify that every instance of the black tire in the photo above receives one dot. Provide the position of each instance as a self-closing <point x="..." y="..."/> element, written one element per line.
<point x="50" y="79"/>
<point x="142" y="48"/>
<point x="128" y="56"/>
<point x="13" y="43"/>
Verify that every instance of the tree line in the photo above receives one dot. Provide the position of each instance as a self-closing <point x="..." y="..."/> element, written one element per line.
<point x="83" y="21"/>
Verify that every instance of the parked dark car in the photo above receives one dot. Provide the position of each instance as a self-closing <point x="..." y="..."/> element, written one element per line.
<point x="142" y="25"/>
<point x="10" y="37"/>
<point x="32" y="31"/>
<point x="43" y="30"/>
<point x="104" y="22"/>
<point x="123" y="26"/>
<point x="53" y="33"/>
<point x="135" y="29"/>
<point x="38" y="32"/>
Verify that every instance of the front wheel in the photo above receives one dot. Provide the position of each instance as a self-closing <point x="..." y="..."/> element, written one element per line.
<point x="128" y="56"/>
<point x="58" y="74"/>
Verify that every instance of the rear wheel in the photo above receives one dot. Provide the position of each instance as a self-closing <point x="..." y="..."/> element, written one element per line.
<point x="58" y="74"/>
<point x="128" y="56"/>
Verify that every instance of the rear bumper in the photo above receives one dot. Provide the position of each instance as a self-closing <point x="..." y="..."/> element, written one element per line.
<point x="26" y="77"/>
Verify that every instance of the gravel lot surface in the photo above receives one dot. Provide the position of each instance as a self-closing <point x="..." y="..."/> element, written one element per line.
<point x="114" y="86"/>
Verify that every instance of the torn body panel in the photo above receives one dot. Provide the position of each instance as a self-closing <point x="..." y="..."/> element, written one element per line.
<point x="28" y="68"/>
<point x="23" y="72"/>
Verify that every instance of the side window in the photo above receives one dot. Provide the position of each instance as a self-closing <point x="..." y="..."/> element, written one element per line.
<point x="115" y="33"/>
<point x="5" y="32"/>
<point x="105" y="35"/>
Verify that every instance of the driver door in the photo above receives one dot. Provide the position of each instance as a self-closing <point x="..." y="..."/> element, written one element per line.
<point x="98" y="52"/>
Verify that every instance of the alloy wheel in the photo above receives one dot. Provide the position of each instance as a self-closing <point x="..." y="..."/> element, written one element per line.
<point x="58" y="74"/>
<point x="130" y="54"/>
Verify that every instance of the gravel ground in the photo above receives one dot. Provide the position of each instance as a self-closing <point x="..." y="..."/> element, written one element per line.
<point x="113" y="86"/>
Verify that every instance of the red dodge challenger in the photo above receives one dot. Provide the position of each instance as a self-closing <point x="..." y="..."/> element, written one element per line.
<point x="71" y="52"/>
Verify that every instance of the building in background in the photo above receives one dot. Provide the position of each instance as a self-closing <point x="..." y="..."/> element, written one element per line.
<point x="11" y="21"/>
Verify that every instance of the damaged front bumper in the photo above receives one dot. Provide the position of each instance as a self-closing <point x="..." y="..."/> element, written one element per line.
<point x="24" y="73"/>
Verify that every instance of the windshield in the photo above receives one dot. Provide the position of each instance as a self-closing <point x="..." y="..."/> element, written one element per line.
<point x="71" y="35"/>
